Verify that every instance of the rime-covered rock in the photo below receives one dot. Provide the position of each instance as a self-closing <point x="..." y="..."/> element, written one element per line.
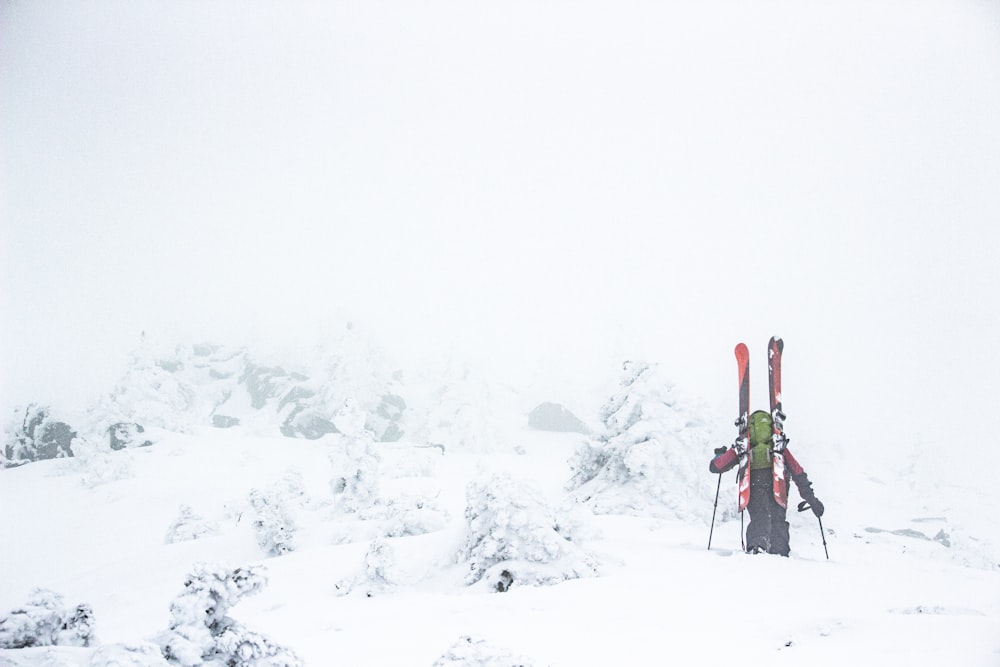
<point x="127" y="434"/>
<point x="34" y="435"/>
<point x="555" y="417"/>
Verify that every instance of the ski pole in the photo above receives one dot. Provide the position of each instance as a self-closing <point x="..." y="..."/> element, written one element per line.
<point x="803" y="506"/>
<point x="714" y="507"/>
<point x="823" y="535"/>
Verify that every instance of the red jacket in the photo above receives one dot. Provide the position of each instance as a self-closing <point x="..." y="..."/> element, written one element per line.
<point x="729" y="458"/>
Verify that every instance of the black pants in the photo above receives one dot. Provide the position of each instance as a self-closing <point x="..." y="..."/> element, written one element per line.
<point x="768" y="530"/>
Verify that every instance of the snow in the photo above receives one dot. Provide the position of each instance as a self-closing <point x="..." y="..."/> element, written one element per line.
<point x="473" y="209"/>
<point x="355" y="587"/>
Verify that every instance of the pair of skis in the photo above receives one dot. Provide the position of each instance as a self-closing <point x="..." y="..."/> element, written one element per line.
<point x="742" y="445"/>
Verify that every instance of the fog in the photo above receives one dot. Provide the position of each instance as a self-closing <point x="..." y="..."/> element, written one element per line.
<point x="544" y="189"/>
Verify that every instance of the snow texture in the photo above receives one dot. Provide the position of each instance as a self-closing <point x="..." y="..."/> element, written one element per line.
<point x="477" y="652"/>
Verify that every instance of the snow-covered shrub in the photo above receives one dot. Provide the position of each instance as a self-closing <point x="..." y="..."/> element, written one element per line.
<point x="274" y="521"/>
<point x="380" y="560"/>
<point x="514" y="537"/>
<point x="45" y="621"/>
<point x="32" y="434"/>
<point x="413" y="515"/>
<point x="652" y="456"/>
<point x="355" y="481"/>
<point x="471" y="651"/>
<point x="201" y="633"/>
<point x="377" y="572"/>
<point x="190" y="526"/>
<point x="276" y="508"/>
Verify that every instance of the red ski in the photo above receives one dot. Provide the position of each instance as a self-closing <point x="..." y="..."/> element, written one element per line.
<point x="780" y="486"/>
<point x="743" y="423"/>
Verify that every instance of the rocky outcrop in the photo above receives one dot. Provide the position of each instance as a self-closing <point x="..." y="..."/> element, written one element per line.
<point x="127" y="434"/>
<point x="36" y="437"/>
<point x="555" y="417"/>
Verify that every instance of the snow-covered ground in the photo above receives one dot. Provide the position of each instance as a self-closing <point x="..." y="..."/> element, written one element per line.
<point x="912" y="578"/>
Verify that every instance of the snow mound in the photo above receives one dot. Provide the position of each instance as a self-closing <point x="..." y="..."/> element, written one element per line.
<point x="470" y="651"/>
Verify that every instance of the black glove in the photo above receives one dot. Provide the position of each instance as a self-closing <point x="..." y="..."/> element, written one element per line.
<point x="816" y="506"/>
<point x="806" y="491"/>
<point x="719" y="451"/>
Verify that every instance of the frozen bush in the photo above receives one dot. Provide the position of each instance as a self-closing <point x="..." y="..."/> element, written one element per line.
<point x="376" y="574"/>
<point x="190" y="526"/>
<point x="514" y="537"/>
<point x="355" y="481"/>
<point x="652" y="454"/>
<point x="200" y="631"/>
<point x="275" y="509"/>
<point x="274" y="521"/>
<point x="379" y="562"/>
<point x="44" y="621"/>
<point x="413" y="515"/>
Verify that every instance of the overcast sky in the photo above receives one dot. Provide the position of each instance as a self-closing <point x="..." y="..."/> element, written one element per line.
<point x="553" y="186"/>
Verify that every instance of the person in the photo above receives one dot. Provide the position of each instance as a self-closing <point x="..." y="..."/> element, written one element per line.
<point x="768" y="529"/>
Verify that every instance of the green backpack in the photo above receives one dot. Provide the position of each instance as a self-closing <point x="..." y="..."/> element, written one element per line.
<point x="761" y="439"/>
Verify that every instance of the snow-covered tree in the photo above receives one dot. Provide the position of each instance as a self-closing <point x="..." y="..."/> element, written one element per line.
<point x="514" y="537"/>
<point x="274" y="521"/>
<point x="411" y="514"/>
<point x="377" y="571"/>
<point x="45" y="621"/>
<point x="32" y="434"/>
<point x="652" y="456"/>
<point x="201" y="632"/>
<point x="190" y="526"/>
<point x="355" y="480"/>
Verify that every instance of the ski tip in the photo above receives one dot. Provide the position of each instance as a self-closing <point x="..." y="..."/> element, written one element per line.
<point x="777" y="342"/>
<point x="742" y="352"/>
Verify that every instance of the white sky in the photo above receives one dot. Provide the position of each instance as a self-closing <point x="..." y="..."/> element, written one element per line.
<point x="568" y="181"/>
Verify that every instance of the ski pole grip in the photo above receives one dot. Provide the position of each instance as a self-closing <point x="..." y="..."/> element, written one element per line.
<point x="804" y="505"/>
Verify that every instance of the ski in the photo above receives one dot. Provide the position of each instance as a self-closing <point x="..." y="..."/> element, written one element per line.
<point x="780" y="486"/>
<point x="743" y="423"/>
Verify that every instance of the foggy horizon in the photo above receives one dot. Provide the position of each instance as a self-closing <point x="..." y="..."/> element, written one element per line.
<point x="545" y="189"/>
